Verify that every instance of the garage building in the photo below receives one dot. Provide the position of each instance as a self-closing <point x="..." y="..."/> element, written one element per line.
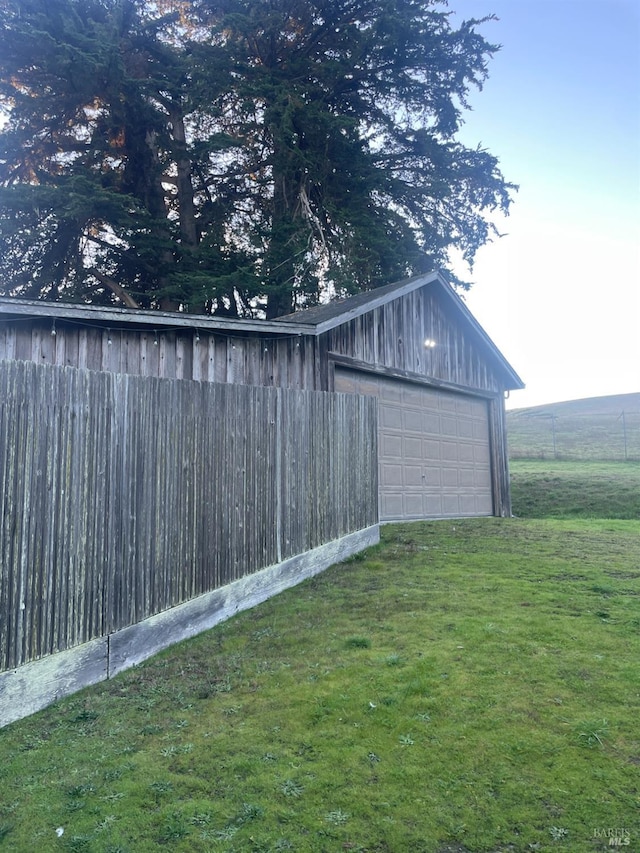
<point x="440" y="380"/>
<point x="441" y="384"/>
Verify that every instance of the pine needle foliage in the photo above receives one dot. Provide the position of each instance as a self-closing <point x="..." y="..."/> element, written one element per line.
<point x="238" y="157"/>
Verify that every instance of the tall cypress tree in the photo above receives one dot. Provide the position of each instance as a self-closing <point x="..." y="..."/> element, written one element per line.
<point x="242" y="156"/>
<point x="97" y="200"/>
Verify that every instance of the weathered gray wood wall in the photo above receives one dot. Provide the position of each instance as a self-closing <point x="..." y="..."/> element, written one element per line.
<point x="122" y="496"/>
<point x="393" y="336"/>
<point x="286" y="361"/>
<point x="388" y="340"/>
<point x="390" y="336"/>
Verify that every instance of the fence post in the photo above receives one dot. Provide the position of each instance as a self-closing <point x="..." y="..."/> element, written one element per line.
<point x="624" y="435"/>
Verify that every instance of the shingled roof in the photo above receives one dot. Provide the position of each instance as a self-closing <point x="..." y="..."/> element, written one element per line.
<point x="323" y="318"/>
<point x="353" y="305"/>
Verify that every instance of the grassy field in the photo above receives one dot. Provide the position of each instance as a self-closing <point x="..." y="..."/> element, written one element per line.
<point x="556" y="489"/>
<point x="596" y="428"/>
<point x="465" y="687"/>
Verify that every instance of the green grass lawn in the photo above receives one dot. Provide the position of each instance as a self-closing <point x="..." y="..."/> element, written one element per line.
<point x="464" y="686"/>
<point x="550" y="489"/>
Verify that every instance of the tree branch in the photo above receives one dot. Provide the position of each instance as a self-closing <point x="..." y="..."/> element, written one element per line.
<point x="114" y="287"/>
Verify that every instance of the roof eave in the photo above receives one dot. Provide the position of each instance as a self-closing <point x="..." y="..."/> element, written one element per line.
<point x="513" y="381"/>
<point x="142" y="317"/>
<point x="351" y="314"/>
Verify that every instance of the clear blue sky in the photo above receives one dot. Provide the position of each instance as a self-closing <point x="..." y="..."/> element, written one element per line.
<point x="560" y="293"/>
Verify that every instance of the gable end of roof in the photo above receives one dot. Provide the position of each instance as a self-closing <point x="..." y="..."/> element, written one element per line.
<point x="326" y="317"/>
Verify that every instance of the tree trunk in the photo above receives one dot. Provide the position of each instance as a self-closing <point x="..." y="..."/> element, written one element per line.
<point x="186" y="207"/>
<point x="281" y="254"/>
<point x="151" y="190"/>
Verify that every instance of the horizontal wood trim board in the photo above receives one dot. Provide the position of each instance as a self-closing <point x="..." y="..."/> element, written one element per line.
<point x="408" y="376"/>
<point x="11" y="307"/>
<point x="135" y="644"/>
<point x="36" y="685"/>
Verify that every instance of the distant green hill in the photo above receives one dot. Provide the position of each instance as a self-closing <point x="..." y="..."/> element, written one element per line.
<point x="612" y="405"/>
<point x="591" y="428"/>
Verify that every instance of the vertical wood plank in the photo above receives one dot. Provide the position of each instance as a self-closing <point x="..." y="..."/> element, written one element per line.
<point x="123" y="495"/>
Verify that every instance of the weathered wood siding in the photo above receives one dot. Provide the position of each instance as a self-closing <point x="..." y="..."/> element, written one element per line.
<point x="283" y="361"/>
<point x="388" y="340"/>
<point x="391" y="339"/>
<point x="499" y="458"/>
<point x="122" y="496"/>
<point x="393" y="336"/>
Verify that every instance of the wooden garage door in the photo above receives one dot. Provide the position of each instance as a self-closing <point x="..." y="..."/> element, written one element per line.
<point x="434" y="459"/>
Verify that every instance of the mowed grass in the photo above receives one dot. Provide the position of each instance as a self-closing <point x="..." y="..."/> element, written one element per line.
<point x="464" y="686"/>
<point x="550" y="489"/>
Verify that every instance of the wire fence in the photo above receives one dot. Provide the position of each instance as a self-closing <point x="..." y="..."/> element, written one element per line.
<point x="544" y="435"/>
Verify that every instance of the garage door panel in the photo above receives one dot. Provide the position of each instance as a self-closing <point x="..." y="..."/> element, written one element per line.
<point x="391" y="505"/>
<point x="414" y="477"/>
<point x="451" y="505"/>
<point x="391" y="391"/>
<point x="432" y="477"/>
<point x="365" y="384"/>
<point x="431" y="449"/>
<point x="411" y="395"/>
<point x="431" y="423"/>
<point x="466" y="428"/>
<point x="391" y="417"/>
<point x="466" y="453"/>
<point x="484" y="505"/>
<point x="391" y="475"/>
<point x="434" y="449"/>
<point x="347" y="383"/>
<point x="391" y="445"/>
<point x="468" y="478"/>
<point x="412" y="421"/>
<point x="412" y="449"/>
<point x="412" y="506"/>
<point x="480" y="431"/>
<point x="481" y="455"/>
<point x="481" y="476"/>
<point x="467" y="504"/>
<point x="449" y="451"/>
<point x="470" y="408"/>
<point x="448" y="426"/>
<point x="433" y="506"/>
<point x="450" y="478"/>
<point x="447" y="402"/>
